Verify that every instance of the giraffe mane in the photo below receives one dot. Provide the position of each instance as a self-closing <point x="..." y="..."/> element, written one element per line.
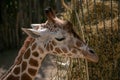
<point x="28" y="41"/>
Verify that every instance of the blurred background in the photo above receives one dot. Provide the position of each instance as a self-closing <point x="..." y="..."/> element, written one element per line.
<point x="96" y="21"/>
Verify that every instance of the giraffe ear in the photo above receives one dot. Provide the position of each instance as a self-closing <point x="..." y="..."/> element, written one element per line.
<point x="31" y="32"/>
<point x="35" y="26"/>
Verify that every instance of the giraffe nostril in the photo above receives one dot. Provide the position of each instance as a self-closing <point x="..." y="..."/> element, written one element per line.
<point x="91" y="51"/>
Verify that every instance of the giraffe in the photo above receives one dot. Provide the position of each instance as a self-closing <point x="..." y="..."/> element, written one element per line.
<point x="56" y="37"/>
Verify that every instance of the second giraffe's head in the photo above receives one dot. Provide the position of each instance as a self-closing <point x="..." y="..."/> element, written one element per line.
<point x="57" y="37"/>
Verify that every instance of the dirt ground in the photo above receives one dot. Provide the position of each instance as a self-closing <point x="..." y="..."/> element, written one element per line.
<point x="47" y="70"/>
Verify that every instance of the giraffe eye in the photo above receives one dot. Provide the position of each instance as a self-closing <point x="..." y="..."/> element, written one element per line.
<point x="60" y="39"/>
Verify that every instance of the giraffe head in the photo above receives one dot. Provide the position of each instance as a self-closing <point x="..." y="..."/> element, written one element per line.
<point x="58" y="37"/>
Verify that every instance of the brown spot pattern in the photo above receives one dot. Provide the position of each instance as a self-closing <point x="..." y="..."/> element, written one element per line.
<point x="19" y="59"/>
<point x="63" y="55"/>
<point x="17" y="70"/>
<point x="26" y="44"/>
<point x="25" y="77"/>
<point x="74" y="51"/>
<point x="64" y="50"/>
<point x="11" y="77"/>
<point x="33" y="40"/>
<point x="54" y="43"/>
<point x="24" y="66"/>
<point x="34" y="46"/>
<point x="51" y="47"/>
<point x="69" y="54"/>
<point x="32" y="72"/>
<point x="41" y="50"/>
<point x="54" y="52"/>
<point x="47" y="47"/>
<point x="58" y="50"/>
<point x="27" y="54"/>
<point x="41" y="58"/>
<point x="33" y="62"/>
<point x="36" y="54"/>
<point x="69" y="47"/>
<point x="78" y="43"/>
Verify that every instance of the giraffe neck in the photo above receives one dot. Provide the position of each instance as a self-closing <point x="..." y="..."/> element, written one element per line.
<point x="27" y="64"/>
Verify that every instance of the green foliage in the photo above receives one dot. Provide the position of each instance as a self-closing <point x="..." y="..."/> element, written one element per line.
<point x="107" y="47"/>
<point x="99" y="23"/>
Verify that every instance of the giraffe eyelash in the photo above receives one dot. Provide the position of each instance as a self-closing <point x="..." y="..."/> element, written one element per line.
<point x="60" y="39"/>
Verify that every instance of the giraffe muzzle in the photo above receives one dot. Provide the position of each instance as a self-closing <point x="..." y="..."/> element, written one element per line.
<point x="92" y="56"/>
<point x="89" y="53"/>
